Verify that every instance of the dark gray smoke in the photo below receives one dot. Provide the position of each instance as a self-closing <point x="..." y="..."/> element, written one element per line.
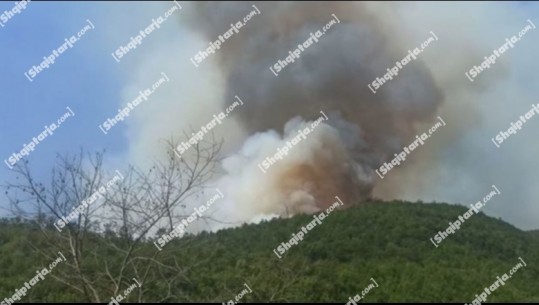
<point x="330" y="76"/>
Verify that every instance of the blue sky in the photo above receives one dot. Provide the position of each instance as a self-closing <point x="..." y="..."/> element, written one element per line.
<point x="85" y="78"/>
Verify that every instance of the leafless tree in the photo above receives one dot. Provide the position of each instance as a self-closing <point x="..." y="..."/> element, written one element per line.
<point x="128" y="214"/>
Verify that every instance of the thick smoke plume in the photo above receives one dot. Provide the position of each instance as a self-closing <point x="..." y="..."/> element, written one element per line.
<point x="457" y="165"/>
<point x="363" y="130"/>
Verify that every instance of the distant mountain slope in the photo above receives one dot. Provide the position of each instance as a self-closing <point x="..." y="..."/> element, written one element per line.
<point x="388" y="242"/>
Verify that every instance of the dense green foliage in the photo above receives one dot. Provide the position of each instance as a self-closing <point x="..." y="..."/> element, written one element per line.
<point x="385" y="241"/>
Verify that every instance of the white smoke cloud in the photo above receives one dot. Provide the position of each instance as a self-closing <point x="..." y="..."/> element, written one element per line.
<point x="457" y="165"/>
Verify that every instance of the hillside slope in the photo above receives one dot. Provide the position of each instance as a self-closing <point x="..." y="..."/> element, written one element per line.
<point x="388" y="242"/>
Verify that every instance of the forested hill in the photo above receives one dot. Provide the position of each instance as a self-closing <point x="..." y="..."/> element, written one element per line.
<point x="386" y="241"/>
